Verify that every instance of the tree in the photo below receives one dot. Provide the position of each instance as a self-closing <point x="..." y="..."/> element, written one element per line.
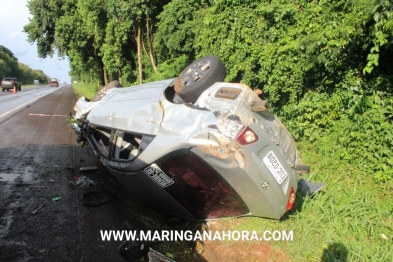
<point x="8" y="63"/>
<point x="179" y="24"/>
<point x="41" y="28"/>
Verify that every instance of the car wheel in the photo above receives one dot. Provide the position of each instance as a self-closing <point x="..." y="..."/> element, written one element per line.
<point x="3" y="89"/>
<point x="198" y="76"/>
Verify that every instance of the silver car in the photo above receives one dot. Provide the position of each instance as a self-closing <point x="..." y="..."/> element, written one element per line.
<point x="195" y="147"/>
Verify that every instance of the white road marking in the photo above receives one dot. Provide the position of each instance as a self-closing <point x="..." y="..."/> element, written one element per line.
<point x="9" y="112"/>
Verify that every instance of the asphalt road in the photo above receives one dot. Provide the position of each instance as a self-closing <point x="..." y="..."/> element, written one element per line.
<point x="39" y="157"/>
<point x="10" y="102"/>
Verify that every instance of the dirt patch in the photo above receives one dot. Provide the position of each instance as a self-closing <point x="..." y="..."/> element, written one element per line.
<point x="239" y="251"/>
<point x="236" y="251"/>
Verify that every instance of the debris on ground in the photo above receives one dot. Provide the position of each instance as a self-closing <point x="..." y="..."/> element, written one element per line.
<point x="35" y="211"/>
<point x="82" y="181"/>
<point x="56" y="198"/>
<point x="133" y="250"/>
<point x="155" y="256"/>
<point x="96" y="198"/>
<point x="88" y="168"/>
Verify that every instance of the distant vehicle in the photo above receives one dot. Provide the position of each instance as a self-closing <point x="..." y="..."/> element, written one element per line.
<point x="9" y="83"/>
<point x="36" y="82"/>
<point x="54" y="82"/>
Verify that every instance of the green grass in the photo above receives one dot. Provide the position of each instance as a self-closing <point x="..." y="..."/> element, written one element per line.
<point x="347" y="221"/>
<point x="86" y="90"/>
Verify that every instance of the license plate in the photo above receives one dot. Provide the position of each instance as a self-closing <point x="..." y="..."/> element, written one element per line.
<point x="275" y="167"/>
<point x="155" y="173"/>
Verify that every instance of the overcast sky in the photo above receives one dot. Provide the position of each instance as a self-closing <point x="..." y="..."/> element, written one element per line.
<point x="14" y="16"/>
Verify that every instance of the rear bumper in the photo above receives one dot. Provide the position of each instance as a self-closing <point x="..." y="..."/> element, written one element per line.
<point x="251" y="191"/>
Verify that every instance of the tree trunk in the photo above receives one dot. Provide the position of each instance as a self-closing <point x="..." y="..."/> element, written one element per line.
<point x="100" y="68"/>
<point x="105" y="77"/>
<point x="144" y="49"/>
<point x="150" y="42"/>
<point x="139" y="52"/>
<point x="101" y="72"/>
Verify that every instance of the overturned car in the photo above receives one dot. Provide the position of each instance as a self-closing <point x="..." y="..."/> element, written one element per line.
<point x="195" y="147"/>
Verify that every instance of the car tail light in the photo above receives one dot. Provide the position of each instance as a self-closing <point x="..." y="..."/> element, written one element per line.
<point x="291" y="199"/>
<point x="203" y="192"/>
<point x="247" y="137"/>
<point x="229" y="128"/>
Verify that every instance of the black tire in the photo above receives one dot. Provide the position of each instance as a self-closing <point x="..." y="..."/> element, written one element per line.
<point x="199" y="76"/>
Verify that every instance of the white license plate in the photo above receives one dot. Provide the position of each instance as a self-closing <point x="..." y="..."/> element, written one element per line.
<point x="275" y="167"/>
<point x="158" y="175"/>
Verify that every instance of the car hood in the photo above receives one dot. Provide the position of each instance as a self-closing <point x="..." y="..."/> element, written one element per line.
<point x="135" y="109"/>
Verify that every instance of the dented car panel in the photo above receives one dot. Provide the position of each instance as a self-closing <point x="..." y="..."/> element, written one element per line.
<point x="225" y="155"/>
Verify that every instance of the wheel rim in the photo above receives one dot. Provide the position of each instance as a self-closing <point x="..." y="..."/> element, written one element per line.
<point x="195" y="72"/>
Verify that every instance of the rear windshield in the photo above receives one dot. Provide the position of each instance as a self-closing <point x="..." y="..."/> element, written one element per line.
<point x="53" y="80"/>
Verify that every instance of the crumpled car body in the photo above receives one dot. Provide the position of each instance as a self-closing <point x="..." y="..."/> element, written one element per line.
<point x="226" y="155"/>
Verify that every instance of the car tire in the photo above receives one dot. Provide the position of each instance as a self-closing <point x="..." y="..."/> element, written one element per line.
<point x="199" y="76"/>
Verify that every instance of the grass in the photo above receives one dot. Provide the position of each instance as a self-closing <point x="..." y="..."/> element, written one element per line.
<point x="86" y="90"/>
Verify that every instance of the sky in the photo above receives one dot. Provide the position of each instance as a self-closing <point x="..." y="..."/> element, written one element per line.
<point x="14" y="16"/>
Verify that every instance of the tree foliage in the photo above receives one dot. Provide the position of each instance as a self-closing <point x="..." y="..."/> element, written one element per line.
<point x="10" y="67"/>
